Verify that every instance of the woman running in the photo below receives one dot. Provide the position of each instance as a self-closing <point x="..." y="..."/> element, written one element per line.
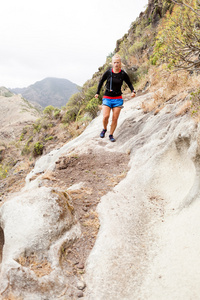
<point x="112" y="99"/>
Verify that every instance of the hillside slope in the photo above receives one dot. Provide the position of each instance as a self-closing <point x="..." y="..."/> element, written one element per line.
<point x="49" y="91"/>
<point x="15" y="113"/>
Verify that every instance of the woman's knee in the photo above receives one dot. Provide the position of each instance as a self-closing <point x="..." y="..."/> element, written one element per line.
<point x="105" y="117"/>
<point x="116" y="113"/>
<point x="115" y="118"/>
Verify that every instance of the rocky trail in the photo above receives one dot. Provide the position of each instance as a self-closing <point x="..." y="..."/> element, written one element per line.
<point x="101" y="220"/>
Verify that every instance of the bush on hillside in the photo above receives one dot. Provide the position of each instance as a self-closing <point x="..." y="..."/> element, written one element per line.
<point x="178" y="41"/>
<point x="93" y="107"/>
<point x="73" y="107"/>
<point x="51" y="112"/>
<point x="90" y="93"/>
<point x="136" y="47"/>
<point x="38" y="149"/>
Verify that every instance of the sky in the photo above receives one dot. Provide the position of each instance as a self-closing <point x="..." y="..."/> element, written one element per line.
<point x="60" y="38"/>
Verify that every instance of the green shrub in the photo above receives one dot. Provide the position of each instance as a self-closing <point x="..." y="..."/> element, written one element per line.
<point x="49" y="110"/>
<point x="90" y="93"/>
<point x="29" y="140"/>
<point x="176" y="43"/>
<point x="27" y="149"/>
<point x="37" y="127"/>
<point x="73" y="107"/>
<point x="21" y="137"/>
<point x="38" y="149"/>
<point x="136" y="47"/>
<point x="70" y="116"/>
<point x="56" y="113"/>
<point x="49" y="138"/>
<point x="93" y="107"/>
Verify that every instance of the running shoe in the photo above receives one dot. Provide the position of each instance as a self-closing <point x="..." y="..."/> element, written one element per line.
<point x="112" y="139"/>
<point x="102" y="134"/>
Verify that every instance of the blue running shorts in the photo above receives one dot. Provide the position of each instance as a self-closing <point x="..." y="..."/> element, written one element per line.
<point x="113" y="102"/>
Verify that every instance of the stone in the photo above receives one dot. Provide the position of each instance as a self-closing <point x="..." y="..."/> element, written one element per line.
<point x="80" y="265"/>
<point x="81" y="285"/>
<point x="80" y="294"/>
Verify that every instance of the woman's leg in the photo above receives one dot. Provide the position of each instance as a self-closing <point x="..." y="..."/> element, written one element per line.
<point x="106" y="115"/>
<point x="115" y="116"/>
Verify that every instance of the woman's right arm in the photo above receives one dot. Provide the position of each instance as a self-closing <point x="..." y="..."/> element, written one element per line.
<point x="104" y="77"/>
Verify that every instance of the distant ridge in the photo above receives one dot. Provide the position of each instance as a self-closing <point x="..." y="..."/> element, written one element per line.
<point x="49" y="91"/>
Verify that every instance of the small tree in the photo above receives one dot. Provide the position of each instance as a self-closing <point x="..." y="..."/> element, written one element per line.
<point x="49" y="110"/>
<point x="178" y="39"/>
<point x="196" y="10"/>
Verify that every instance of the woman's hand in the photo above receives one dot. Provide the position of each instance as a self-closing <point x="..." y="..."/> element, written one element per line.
<point x="133" y="94"/>
<point x="96" y="96"/>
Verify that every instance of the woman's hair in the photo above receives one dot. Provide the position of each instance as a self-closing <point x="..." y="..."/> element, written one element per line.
<point x="116" y="56"/>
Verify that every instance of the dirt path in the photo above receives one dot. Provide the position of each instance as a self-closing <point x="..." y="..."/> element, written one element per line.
<point x="98" y="171"/>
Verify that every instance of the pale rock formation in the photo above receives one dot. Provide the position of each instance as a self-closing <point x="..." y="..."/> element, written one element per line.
<point x="36" y="224"/>
<point x="148" y="243"/>
<point x="149" y="239"/>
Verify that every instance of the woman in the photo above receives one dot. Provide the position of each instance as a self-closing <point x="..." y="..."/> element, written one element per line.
<point x="112" y="99"/>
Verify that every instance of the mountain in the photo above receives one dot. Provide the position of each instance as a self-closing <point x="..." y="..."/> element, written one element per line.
<point x="49" y="91"/>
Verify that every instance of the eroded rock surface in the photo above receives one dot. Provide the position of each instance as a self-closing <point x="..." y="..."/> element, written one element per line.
<point x="36" y="224"/>
<point x="148" y="242"/>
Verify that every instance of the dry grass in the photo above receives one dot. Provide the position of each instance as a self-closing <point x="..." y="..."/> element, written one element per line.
<point x="11" y="296"/>
<point x="92" y="221"/>
<point x="148" y="106"/>
<point x="171" y="82"/>
<point x="156" y="104"/>
<point x="76" y="128"/>
<point x="40" y="268"/>
<point x="184" y="108"/>
<point x="116" y="179"/>
<point x="65" y="202"/>
<point x="80" y="193"/>
<point x="166" y="85"/>
<point x="49" y="175"/>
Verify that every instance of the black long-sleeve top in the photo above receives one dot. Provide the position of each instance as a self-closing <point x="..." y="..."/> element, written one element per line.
<point x="114" y="89"/>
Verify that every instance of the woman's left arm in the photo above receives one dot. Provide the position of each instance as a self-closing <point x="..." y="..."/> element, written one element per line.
<point x="127" y="80"/>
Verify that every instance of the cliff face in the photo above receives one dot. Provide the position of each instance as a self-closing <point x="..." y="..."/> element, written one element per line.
<point x="156" y="9"/>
